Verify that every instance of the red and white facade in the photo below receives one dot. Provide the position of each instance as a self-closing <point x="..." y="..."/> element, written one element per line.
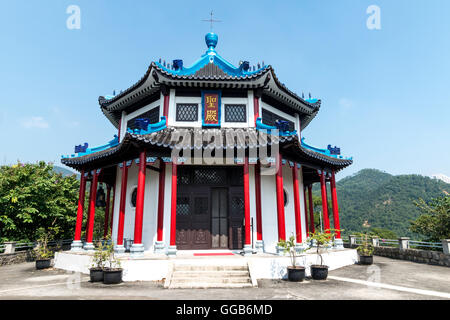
<point x="164" y="203"/>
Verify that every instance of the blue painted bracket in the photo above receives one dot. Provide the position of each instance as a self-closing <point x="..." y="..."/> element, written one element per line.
<point x="262" y="126"/>
<point x="151" y="127"/>
<point x="113" y="143"/>
<point x="323" y="151"/>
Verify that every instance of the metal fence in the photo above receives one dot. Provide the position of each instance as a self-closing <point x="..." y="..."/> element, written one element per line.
<point x="395" y="243"/>
<point x="22" y="246"/>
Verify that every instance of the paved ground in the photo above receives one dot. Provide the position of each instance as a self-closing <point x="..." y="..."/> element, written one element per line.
<point x="386" y="279"/>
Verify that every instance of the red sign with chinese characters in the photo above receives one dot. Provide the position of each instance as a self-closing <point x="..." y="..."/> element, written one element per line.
<point x="211" y="109"/>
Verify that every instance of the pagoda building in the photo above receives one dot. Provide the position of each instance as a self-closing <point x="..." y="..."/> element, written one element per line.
<point x="207" y="157"/>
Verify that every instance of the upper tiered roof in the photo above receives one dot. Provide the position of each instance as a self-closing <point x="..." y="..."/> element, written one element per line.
<point x="210" y="71"/>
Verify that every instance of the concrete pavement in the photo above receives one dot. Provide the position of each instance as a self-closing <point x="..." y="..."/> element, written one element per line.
<point x="386" y="279"/>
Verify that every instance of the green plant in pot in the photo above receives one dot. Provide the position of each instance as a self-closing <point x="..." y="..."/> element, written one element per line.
<point x="98" y="262"/>
<point x="322" y="241"/>
<point x="43" y="254"/>
<point x="112" y="271"/>
<point x="365" y="250"/>
<point x="295" y="272"/>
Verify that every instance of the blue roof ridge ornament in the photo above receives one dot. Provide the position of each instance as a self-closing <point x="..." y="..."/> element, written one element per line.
<point x="211" y="40"/>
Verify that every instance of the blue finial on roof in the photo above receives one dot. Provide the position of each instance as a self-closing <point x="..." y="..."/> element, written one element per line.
<point x="211" y="40"/>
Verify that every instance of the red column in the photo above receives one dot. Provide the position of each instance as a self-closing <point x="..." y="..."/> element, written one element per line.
<point x="112" y="209"/>
<point x="298" y="220"/>
<point x="173" y="214"/>
<point x="123" y="195"/>
<point x="335" y="205"/>
<point x="280" y="200"/>
<point x="312" y="227"/>
<point x="306" y="211"/>
<point x="258" y="202"/>
<point x="248" y="239"/>
<point x="92" y="198"/>
<point x="139" y="214"/>
<point x="108" y="200"/>
<point x="120" y="123"/>
<point x="166" y="105"/>
<point x="256" y="107"/>
<point x="323" y="188"/>
<point x="162" y="176"/>
<point x="80" y="209"/>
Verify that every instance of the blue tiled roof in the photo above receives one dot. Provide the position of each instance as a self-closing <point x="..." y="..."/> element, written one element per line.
<point x="211" y="56"/>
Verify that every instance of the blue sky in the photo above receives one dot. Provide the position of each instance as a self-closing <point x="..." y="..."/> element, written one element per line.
<point x="385" y="93"/>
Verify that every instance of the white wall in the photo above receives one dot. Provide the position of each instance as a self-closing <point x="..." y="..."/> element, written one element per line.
<point x="269" y="213"/>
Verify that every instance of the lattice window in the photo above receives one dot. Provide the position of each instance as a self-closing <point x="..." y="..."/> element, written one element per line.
<point x="183" y="206"/>
<point x="209" y="176"/>
<point x="269" y="118"/>
<point x="236" y="176"/>
<point x="201" y="205"/>
<point x="237" y="204"/>
<point x="187" y="112"/>
<point x="184" y="177"/>
<point x="152" y="115"/>
<point x="235" y="113"/>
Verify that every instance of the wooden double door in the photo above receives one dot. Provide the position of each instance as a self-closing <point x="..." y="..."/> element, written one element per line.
<point x="210" y="209"/>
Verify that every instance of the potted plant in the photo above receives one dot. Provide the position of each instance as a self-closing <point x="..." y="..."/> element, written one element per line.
<point x="112" y="271"/>
<point x="322" y="240"/>
<point x="295" y="272"/>
<point x="98" y="261"/>
<point x="365" y="250"/>
<point x="43" y="253"/>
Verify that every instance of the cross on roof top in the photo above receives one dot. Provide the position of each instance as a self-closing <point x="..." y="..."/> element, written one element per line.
<point x="211" y="20"/>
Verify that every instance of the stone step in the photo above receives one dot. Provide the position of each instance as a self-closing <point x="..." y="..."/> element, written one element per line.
<point x="203" y="285"/>
<point x="186" y="267"/>
<point x="209" y="274"/>
<point x="242" y="279"/>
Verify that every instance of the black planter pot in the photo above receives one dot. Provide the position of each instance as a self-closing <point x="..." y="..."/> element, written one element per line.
<point x="43" y="264"/>
<point x="112" y="276"/>
<point x="296" y="274"/>
<point x="366" y="260"/>
<point x="96" y="274"/>
<point x="319" y="272"/>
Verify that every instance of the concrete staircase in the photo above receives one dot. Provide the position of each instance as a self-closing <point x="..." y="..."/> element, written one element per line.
<point x="190" y="276"/>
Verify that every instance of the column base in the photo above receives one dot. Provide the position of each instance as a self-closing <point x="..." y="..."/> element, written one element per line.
<point x="280" y="251"/>
<point x="137" y="250"/>
<point x="301" y="247"/>
<point x="89" y="246"/>
<point x="259" y="246"/>
<point x="248" y="250"/>
<point x="172" y="251"/>
<point x="338" y="244"/>
<point x="76" y="246"/>
<point x="160" y="247"/>
<point x="119" y="249"/>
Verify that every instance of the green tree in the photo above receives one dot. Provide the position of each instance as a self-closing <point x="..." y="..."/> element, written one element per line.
<point x="434" y="222"/>
<point x="33" y="196"/>
<point x="383" y="233"/>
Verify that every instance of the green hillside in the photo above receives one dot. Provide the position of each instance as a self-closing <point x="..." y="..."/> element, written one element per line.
<point x="65" y="172"/>
<point x="384" y="200"/>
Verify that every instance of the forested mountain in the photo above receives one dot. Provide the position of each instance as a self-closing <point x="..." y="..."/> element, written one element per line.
<point x="384" y="200"/>
<point x="65" y="172"/>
